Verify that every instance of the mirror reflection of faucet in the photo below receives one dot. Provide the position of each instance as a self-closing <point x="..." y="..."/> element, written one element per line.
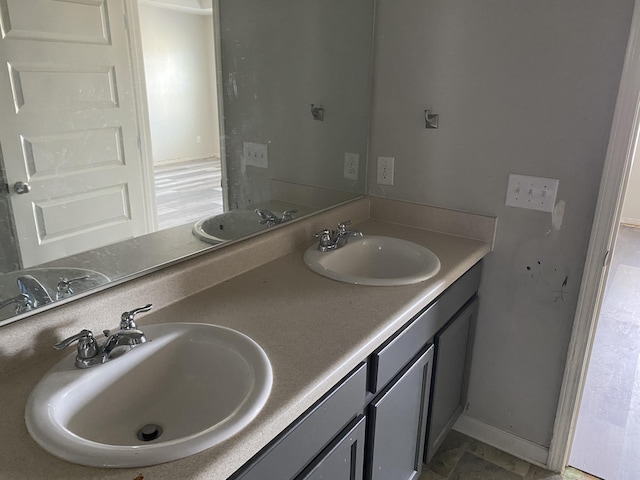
<point x="91" y="353"/>
<point x="270" y="219"/>
<point x="65" y="287"/>
<point x="32" y="295"/>
<point x="42" y="286"/>
<point x="334" y="239"/>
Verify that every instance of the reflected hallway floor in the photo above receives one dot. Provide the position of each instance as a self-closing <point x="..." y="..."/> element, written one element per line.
<point x="188" y="191"/>
<point x="607" y="439"/>
<point x="463" y="458"/>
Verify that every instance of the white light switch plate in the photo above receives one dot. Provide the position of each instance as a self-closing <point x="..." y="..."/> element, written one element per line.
<point x="535" y="193"/>
<point x="255" y="154"/>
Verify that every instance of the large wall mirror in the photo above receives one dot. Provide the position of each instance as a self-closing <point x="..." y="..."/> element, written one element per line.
<point x="136" y="133"/>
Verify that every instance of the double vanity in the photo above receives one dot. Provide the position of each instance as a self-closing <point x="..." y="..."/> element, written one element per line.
<point x="366" y="380"/>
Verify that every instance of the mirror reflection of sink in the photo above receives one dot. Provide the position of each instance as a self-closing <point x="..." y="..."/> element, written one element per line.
<point x="228" y="226"/>
<point x="241" y="223"/>
<point x="375" y="260"/>
<point x="189" y="387"/>
<point x="59" y="283"/>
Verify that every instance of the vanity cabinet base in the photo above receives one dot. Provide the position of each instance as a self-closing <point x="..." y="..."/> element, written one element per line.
<point x="451" y="376"/>
<point x="397" y="423"/>
<point x="389" y="415"/>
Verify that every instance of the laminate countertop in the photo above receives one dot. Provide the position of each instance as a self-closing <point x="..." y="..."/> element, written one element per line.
<point x="313" y="329"/>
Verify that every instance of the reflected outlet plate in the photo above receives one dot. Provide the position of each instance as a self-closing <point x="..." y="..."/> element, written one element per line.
<point x="351" y="161"/>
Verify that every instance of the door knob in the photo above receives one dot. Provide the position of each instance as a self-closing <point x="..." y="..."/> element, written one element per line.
<point x="21" y="188"/>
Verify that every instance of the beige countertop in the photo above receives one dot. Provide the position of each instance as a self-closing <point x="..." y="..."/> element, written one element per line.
<point x="314" y="331"/>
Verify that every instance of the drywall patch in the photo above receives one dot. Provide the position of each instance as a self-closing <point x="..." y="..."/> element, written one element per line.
<point x="558" y="215"/>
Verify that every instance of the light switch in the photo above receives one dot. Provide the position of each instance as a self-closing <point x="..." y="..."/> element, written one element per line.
<point x="535" y="193"/>
<point x="255" y="154"/>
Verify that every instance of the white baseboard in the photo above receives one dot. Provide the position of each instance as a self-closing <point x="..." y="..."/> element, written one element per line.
<point x="505" y="441"/>
<point x="634" y="222"/>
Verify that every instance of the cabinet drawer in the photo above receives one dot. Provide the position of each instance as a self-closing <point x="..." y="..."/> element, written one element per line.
<point x="394" y="354"/>
<point x="291" y="451"/>
<point x="343" y="459"/>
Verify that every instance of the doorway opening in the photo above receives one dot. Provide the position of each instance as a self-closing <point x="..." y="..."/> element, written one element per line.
<point x="607" y="437"/>
<point x="623" y="140"/>
<point x="179" y="54"/>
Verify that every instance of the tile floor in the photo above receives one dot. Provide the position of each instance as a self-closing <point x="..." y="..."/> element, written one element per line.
<point x="188" y="191"/>
<point x="463" y="458"/>
<point x="607" y="439"/>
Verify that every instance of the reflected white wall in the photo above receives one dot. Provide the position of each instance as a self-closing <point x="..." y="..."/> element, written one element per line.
<point x="181" y="85"/>
<point x="631" y="206"/>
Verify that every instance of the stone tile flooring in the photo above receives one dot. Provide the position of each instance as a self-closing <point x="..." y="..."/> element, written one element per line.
<point x="463" y="458"/>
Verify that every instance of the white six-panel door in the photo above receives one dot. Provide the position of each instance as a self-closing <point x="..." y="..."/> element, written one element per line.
<point x="68" y="126"/>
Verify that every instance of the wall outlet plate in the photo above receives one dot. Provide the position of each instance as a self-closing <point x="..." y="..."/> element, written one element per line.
<point x="351" y="161"/>
<point x="255" y="154"/>
<point x="385" y="170"/>
<point x="535" y="193"/>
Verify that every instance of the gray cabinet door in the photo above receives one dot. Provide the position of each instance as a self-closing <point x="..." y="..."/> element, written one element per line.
<point x="398" y="422"/>
<point x="453" y="356"/>
<point x="290" y="453"/>
<point x="343" y="459"/>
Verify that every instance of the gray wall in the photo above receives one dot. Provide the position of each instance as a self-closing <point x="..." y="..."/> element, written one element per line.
<point x="278" y="58"/>
<point x="521" y="87"/>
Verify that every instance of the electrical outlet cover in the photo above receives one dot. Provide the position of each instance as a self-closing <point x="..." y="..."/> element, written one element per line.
<point x="351" y="161"/>
<point x="385" y="170"/>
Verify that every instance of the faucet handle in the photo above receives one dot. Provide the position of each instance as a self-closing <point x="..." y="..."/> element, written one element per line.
<point x="266" y="217"/>
<point x="87" y="345"/>
<point x="288" y="215"/>
<point x="324" y="236"/>
<point x="64" y="289"/>
<point x="342" y="226"/>
<point x="127" y="321"/>
<point x="326" y="241"/>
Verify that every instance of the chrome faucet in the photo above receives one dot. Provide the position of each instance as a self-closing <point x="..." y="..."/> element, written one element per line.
<point x="32" y="295"/>
<point x="64" y="288"/>
<point x="267" y="217"/>
<point x="91" y="353"/>
<point x="287" y="215"/>
<point x="34" y="291"/>
<point x="334" y="239"/>
<point x="270" y="219"/>
<point x="20" y="301"/>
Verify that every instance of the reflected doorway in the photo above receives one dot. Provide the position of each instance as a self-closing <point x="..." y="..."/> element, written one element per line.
<point x="179" y="55"/>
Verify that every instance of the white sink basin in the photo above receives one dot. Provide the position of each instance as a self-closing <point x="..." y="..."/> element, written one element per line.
<point x="375" y="260"/>
<point x="228" y="226"/>
<point x="199" y="383"/>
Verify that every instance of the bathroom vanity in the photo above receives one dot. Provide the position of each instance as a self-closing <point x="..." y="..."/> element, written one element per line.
<point x="374" y="422"/>
<point x="345" y="358"/>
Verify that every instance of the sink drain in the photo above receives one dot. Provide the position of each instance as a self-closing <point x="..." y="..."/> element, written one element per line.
<point x="149" y="432"/>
